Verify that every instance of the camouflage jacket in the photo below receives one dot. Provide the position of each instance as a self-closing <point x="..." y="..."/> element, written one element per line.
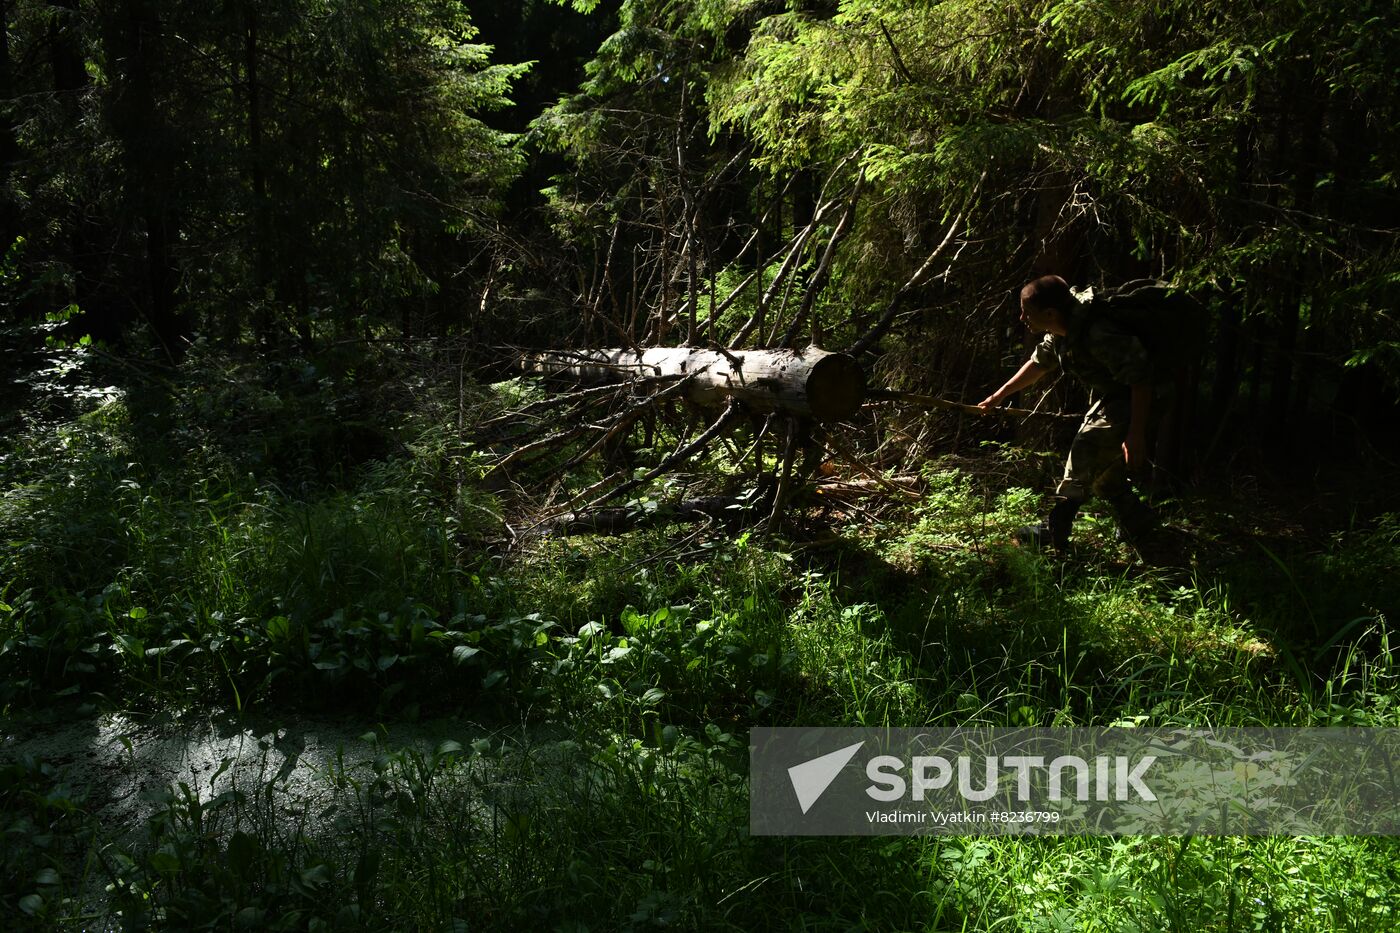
<point x="1101" y="353"/>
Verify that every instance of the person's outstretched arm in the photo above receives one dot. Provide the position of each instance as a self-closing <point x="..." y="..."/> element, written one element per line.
<point x="1028" y="375"/>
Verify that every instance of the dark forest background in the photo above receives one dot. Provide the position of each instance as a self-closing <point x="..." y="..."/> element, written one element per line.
<point x="278" y="180"/>
<point x="268" y="458"/>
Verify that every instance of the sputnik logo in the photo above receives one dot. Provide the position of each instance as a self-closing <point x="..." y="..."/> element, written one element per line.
<point x="811" y="778"/>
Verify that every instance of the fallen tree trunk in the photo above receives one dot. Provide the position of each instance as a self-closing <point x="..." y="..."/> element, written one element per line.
<point x="814" y="383"/>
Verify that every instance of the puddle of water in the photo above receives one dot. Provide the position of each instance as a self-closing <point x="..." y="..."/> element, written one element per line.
<point x="117" y="767"/>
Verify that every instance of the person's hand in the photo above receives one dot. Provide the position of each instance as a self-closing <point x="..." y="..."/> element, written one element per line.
<point x="1135" y="451"/>
<point x="987" y="404"/>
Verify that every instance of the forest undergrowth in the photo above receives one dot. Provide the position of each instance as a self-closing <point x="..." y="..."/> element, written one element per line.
<point x="330" y="564"/>
<point x="269" y="277"/>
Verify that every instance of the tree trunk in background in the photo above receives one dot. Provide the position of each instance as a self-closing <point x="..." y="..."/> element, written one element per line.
<point x="1055" y="250"/>
<point x="257" y="168"/>
<point x="151" y="164"/>
<point x="1284" y="402"/>
<point x="1281" y="377"/>
<point x="1256" y="370"/>
<point x="70" y="82"/>
<point x="9" y="148"/>
<point x="1225" y="382"/>
<point x="804" y="200"/>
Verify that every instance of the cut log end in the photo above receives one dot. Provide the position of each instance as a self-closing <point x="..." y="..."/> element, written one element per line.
<point x="835" y="388"/>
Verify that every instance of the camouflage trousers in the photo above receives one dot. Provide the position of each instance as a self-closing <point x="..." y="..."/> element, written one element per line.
<point x="1095" y="466"/>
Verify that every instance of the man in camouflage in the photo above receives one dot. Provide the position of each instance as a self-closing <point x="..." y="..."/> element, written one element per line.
<point x="1116" y="368"/>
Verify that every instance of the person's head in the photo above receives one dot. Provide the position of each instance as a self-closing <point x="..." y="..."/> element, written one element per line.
<point x="1046" y="304"/>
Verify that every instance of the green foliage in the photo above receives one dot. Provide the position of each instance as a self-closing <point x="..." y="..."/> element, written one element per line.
<point x="627" y="835"/>
<point x="311" y="530"/>
<point x="460" y="835"/>
<point x="44" y="840"/>
<point x="177" y="558"/>
<point x="1153" y="127"/>
<point x="621" y="804"/>
<point x="301" y="166"/>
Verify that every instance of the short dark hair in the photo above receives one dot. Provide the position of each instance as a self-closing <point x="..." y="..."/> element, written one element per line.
<point x="1049" y="292"/>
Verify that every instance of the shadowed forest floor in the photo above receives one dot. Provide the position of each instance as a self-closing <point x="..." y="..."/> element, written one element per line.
<point x="282" y="696"/>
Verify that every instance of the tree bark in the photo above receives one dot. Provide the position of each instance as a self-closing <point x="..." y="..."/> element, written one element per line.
<point x="104" y="319"/>
<point x="152" y="161"/>
<point x="825" y="386"/>
<point x="256" y="166"/>
<point x="9" y="146"/>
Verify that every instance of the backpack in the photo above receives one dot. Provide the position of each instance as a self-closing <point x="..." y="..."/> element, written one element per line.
<point x="1172" y="325"/>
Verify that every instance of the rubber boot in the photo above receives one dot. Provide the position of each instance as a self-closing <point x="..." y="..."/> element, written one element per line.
<point x="1054" y="531"/>
<point x="1136" y="520"/>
